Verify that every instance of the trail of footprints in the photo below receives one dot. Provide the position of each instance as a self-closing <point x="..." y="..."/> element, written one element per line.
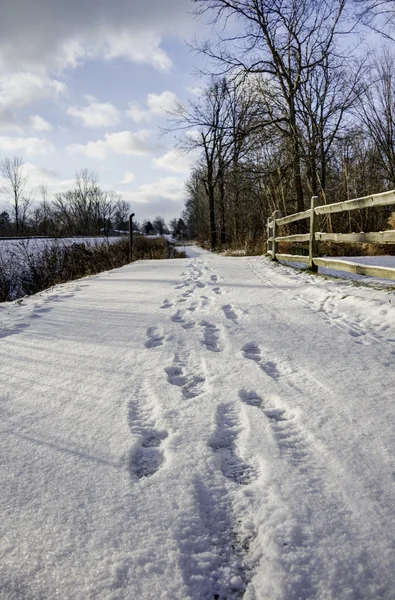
<point x="289" y="438"/>
<point x="147" y="458"/>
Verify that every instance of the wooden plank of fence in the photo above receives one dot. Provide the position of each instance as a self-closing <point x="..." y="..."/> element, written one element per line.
<point x="293" y="258"/>
<point x="384" y="199"/>
<point x="380" y="237"/>
<point x="295" y="217"/>
<point x="299" y="237"/>
<point x="351" y="267"/>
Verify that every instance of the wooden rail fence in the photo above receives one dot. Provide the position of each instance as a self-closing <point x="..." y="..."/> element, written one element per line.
<point x="314" y="236"/>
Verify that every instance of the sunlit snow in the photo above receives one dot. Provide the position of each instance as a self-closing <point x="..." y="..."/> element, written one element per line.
<point x="209" y="427"/>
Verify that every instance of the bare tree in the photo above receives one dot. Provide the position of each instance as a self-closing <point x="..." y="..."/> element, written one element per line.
<point x="285" y="40"/>
<point x="203" y="122"/>
<point x="15" y="180"/>
<point x="378" y="15"/>
<point x="377" y="108"/>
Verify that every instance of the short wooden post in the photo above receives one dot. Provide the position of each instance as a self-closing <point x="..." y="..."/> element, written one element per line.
<point x="276" y="215"/>
<point x="131" y="237"/>
<point x="313" y="244"/>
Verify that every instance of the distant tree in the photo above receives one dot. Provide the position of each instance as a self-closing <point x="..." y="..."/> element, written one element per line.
<point x="5" y="223"/>
<point x="148" y="228"/>
<point x="181" y="229"/>
<point x="15" y="180"/>
<point x="87" y="209"/>
<point x="159" y="225"/>
<point x="136" y="226"/>
<point x="173" y="226"/>
<point x="121" y="218"/>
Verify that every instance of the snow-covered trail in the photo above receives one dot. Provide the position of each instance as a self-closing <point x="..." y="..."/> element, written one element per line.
<point x="201" y="428"/>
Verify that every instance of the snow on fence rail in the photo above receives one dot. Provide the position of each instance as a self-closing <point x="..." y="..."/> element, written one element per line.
<point x="313" y="237"/>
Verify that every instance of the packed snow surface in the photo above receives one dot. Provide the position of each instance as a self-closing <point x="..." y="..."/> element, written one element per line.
<point x="204" y="428"/>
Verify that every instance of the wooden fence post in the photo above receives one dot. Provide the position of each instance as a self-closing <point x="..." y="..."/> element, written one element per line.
<point x="276" y="215"/>
<point x="313" y="244"/>
<point x="131" y="237"/>
<point x="269" y="243"/>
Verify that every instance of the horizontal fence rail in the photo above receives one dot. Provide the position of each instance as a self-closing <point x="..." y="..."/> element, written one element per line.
<point x="314" y="237"/>
<point x="295" y="217"/>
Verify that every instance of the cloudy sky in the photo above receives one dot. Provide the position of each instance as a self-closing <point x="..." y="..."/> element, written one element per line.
<point x="85" y="83"/>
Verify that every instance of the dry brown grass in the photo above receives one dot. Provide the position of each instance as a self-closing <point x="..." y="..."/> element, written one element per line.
<point x="23" y="272"/>
<point x="336" y="249"/>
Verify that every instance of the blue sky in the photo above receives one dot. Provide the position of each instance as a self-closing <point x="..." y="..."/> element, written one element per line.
<point x="85" y="84"/>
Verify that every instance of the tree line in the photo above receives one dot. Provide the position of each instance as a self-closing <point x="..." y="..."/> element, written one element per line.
<point x="295" y="106"/>
<point x="85" y="210"/>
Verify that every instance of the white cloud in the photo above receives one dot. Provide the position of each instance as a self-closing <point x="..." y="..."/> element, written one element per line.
<point x="68" y="33"/>
<point x="127" y="178"/>
<point x="42" y="175"/>
<point x="165" y="188"/>
<point x="123" y="142"/>
<point x="175" y="161"/>
<point x="22" y="88"/>
<point x="25" y="145"/>
<point x="96" y="114"/>
<point x="194" y="135"/>
<point x="195" y="91"/>
<point x="9" y="122"/>
<point x="137" y="47"/>
<point x="158" y="105"/>
<point x="37" y="123"/>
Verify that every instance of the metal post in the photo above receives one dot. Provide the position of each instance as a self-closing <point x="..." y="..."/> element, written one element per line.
<point x="131" y="237"/>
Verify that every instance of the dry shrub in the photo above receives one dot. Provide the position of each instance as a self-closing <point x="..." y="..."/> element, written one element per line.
<point x="149" y="248"/>
<point x="391" y="220"/>
<point x="24" y="271"/>
<point x="251" y="247"/>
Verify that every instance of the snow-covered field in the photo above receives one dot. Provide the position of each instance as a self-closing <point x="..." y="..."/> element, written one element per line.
<point x="38" y="244"/>
<point x="199" y="428"/>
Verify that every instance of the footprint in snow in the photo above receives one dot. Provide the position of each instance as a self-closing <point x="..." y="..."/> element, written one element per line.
<point x="229" y="312"/>
<point x="154" y="338"/>
<point x="218" y="291"/>
<point x="210" y="336"/>
<point x="191" y="385"/>
<point x="253" y="399"/>
<point x="148" y="457"/>
<point x="166" y="304"/>
<point x="252" y="351"/>
<point x="177" y="317"/>
<point x="223" y="442"/>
